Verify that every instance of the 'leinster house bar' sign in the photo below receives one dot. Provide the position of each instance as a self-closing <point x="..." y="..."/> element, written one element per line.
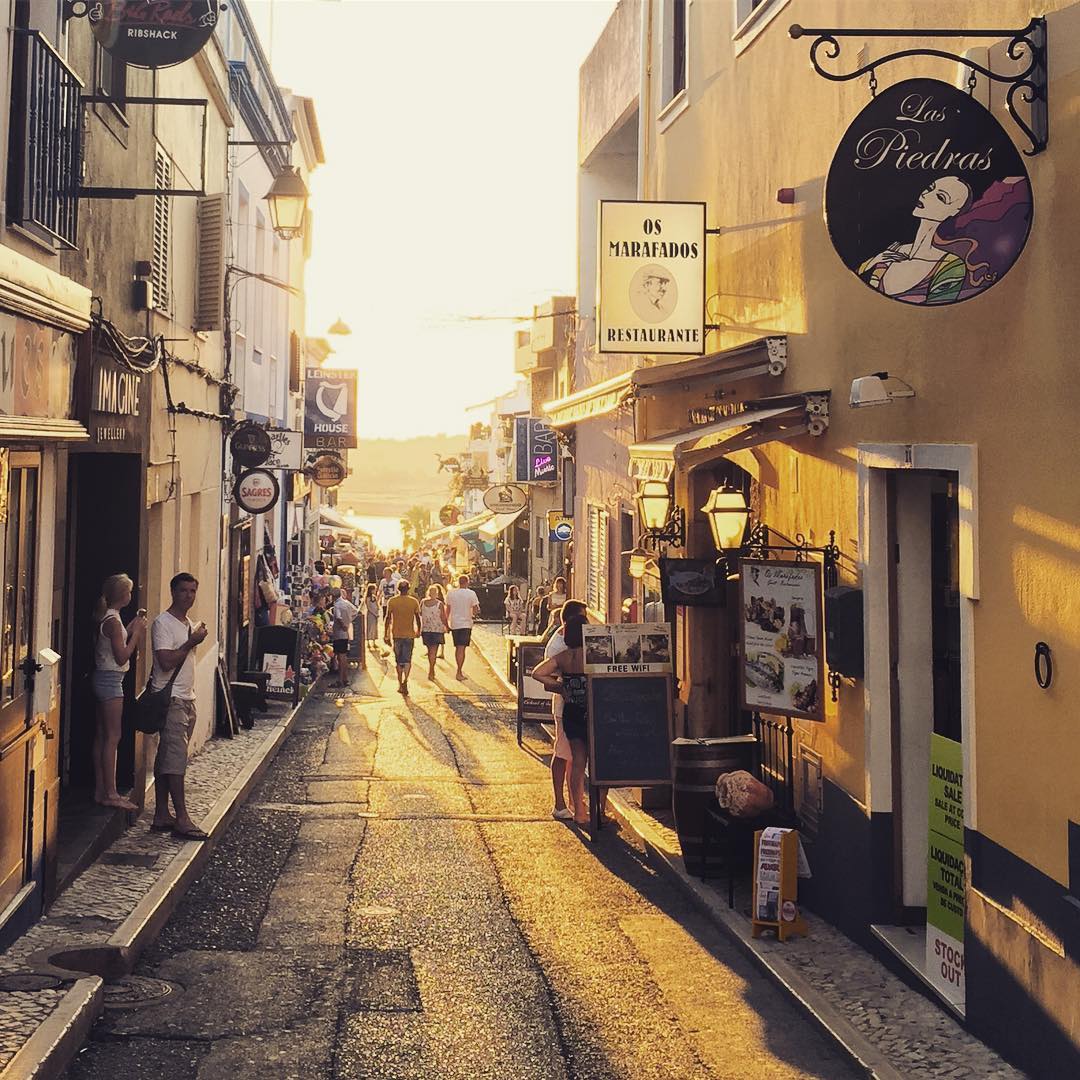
<point x="928" y="200"/>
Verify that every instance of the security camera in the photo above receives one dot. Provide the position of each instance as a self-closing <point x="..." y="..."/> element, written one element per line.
<point x="870" y="390"/>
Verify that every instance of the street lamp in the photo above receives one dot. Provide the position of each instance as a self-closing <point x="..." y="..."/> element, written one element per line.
<point x="662" y="521"/>
<point x="639" y="563"/>
<point x="340" y="328"/>
<point x="288" y="198"/>
<point x="728" y="513"/>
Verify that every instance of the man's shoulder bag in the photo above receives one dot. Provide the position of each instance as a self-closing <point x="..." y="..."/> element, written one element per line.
<point x="152" y="706"/>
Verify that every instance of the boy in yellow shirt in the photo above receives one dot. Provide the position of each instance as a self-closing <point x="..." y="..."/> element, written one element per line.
<point x="402" y="630"/>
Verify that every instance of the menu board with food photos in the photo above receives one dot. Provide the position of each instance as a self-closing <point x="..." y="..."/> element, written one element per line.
<point x="782" y="637"/>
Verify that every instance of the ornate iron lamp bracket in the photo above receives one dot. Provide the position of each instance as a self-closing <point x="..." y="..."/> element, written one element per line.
<point x="1027" y="47"/>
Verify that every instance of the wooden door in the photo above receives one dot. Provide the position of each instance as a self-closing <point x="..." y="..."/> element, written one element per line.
<point x="17" y="599"/>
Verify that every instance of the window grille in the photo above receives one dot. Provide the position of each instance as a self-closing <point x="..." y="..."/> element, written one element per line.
<point x="45" y="141"/>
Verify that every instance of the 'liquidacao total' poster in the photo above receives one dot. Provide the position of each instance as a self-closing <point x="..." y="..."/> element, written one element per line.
<point x="782" y="638"/>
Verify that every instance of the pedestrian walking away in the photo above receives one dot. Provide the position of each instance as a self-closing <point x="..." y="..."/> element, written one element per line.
<point x="174" y="638"/>
<point x="114" y="646"/>
<point x="371" y="615"/>
<point x="463" y="606"/>
<point x="341" y="634"/>
<point x="433" y="625"/>
<point x="402" y="630"/>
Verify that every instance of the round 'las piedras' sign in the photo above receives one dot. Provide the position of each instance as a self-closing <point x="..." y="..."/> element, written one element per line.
<point x="256" y="491"/>
<point x="928" y="200"/>
<point x="153" y="33"/>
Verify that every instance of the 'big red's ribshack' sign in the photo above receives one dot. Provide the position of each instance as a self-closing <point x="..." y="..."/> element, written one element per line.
<point x="153" y="33"/>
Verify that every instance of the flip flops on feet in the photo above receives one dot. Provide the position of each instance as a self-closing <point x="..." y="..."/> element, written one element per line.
<point x="190" y="834"/>
<point x="563" y="814"/>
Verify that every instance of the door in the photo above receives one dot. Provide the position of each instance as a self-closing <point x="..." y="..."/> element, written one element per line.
<point x="19" y="490"/>
<point x="926" y="676"/>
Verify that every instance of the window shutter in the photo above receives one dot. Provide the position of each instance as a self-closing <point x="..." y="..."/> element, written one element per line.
<point x="159" y="276"/>
<point x="294" y="362"/>
<point x="210" y="263"/>
<point x="597" y="586"/>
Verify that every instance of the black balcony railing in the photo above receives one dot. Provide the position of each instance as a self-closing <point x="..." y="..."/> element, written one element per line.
<point x="45" y="152"/>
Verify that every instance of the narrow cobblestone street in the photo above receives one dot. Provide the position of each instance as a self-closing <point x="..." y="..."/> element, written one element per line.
<point x="395" y="901"/>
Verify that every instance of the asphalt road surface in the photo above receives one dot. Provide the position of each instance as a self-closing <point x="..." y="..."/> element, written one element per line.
<point x="395" y="902"/>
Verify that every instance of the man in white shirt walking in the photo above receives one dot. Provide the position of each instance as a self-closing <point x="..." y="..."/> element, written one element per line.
<point x="174" y="637"/>
<point x="464" y="606"/>
<point x="341" y="633"/>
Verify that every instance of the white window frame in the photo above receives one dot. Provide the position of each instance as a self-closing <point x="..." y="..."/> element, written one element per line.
<point x="750" y="21"/>
<point x="673" y="103"/>
<point x="598" y="540"/>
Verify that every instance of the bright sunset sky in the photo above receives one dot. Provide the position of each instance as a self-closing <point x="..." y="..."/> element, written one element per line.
<point x="450" y="129"/>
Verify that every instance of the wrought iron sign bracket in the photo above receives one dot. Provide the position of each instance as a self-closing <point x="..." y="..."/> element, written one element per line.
<point x="131" y="193"/>
<point x="1026" y="46"/>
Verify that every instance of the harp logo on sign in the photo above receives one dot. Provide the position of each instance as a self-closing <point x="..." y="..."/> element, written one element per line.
<point x="330" y="409"/>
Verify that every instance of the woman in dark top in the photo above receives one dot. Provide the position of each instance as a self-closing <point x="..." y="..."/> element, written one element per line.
<point x="564" y="674"/>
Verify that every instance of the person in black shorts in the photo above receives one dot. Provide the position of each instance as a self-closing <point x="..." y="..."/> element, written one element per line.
<point x="564" y="674"/>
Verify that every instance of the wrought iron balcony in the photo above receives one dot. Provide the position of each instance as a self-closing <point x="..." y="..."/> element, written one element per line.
<point x="45" y="150"/>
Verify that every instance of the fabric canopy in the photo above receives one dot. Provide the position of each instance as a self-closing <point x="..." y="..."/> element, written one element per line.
<point x="764" y="421"/>
<point x="490" y="529"/>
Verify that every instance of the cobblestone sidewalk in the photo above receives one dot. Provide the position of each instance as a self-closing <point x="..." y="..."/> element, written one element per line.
<point x="892" y="1028"/>
<point x="109" y="902"/>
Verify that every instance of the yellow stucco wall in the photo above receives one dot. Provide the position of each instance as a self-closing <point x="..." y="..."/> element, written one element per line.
<point x="997" y="371"/>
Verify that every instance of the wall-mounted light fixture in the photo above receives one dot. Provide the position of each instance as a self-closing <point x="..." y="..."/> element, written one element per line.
<point x="728" y="513"/>
<point x="639" y="562"/>
<point x="870" y="390"/>
<point x="663" y="522"/>
<point x="287" y="200"/>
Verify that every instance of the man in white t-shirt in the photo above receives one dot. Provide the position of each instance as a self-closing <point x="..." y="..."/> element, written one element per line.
<point x="341" y="633"/>
<point x="464" y="606"/>
<point x="174" y="637"/>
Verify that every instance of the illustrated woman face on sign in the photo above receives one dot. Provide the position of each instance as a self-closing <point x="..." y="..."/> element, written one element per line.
<point x="962" y="243"/>
<point x="943" y="199"/>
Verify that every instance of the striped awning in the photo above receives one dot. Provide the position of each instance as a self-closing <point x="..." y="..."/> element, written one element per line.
<point x="41" y="429"/>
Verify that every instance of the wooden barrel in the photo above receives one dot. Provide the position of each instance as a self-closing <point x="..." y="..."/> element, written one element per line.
<point x="697" y="763"/>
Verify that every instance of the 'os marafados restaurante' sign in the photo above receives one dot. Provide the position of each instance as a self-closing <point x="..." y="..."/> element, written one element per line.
<point x="928" y="200"/>
<point x="651" y="278"/>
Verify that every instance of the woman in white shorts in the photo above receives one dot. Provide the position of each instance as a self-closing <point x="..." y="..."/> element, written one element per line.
<point x="114" y="645"/>
<point x="561" y="755"/>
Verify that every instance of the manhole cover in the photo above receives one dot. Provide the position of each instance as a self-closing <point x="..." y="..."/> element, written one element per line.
<point x="28" y="983"/>
<point x="135" y="991"/>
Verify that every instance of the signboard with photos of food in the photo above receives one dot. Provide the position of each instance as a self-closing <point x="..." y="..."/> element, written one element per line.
<point x="627" y="648"/>
<point x="782" y="638"/>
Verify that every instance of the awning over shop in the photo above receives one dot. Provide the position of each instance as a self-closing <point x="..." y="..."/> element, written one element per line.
<point x="604" y="397"/>
<point x="490" y="529"/>
<point x="767" y="420"/>
<point x="40" y="428"/>
<point x="329" y="516"/>
<point x="760" y="357"/>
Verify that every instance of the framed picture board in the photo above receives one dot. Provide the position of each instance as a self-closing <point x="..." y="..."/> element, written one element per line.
<point x="693" y="582"/>
<point x="782" y="636"/>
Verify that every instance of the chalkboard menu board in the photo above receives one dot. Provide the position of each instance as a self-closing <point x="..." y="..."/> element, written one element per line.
<point x="629" y="730"/>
